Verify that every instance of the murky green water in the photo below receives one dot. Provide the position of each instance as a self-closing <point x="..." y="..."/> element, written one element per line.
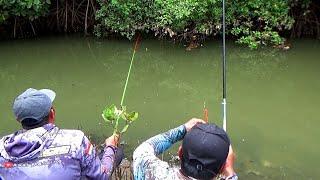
<point x="273" y="110"/>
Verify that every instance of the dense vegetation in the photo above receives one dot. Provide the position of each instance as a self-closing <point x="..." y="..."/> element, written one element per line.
<point x="30" y="9"/>
<point x="24" y="9"/>
<point x="253" y="23"/>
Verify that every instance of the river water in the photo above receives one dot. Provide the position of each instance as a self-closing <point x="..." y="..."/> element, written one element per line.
<point x="273" y="96"/>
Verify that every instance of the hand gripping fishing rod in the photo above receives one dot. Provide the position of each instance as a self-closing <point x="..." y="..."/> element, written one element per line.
<point x="224" y="76"/>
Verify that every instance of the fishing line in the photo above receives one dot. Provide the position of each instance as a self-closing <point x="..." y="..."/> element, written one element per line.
<point x="138" y="39"/>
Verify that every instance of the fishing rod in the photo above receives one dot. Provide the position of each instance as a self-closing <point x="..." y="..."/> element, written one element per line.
<point x="224" y="76"/>
<point x="205" y="113"/>
<point x="138" y="39"/>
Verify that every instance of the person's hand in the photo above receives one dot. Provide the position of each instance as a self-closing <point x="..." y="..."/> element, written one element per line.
<point x="193" y="122"/>
<point x="113" y="140"/>
<point x="228" y="167"/>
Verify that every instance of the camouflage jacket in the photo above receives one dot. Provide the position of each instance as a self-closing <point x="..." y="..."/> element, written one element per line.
<point x="146" y="164"/>
<point x="51" y="153"/>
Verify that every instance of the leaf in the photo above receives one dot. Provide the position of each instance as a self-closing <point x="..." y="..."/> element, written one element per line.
<point x="132" y="116"/>
<point x="109" y="114"/>
<point x="125" y="128"/>
<point x="114" y="116"/>
<point x="124" y="115"/>
<point x="105" y="119"/>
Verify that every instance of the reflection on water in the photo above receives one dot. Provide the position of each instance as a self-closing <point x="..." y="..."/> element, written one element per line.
<point x="272" y="95"/>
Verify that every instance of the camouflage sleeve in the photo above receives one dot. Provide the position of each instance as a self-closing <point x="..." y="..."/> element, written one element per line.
<point x="146" y="164"/>
<point x="108" y="159"/>
<point x="91" y="166"/>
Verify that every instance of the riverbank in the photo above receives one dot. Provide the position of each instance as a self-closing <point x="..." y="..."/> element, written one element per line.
<point x="253" y="24"/>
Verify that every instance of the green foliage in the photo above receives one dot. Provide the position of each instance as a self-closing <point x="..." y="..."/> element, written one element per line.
<point x="3" y="16"/>
<point x="191" y="14"/>
<point x="112" y="115"/>
<point x="253" y="22"/>
<point x="30" y="9"/>
<point x="160" y="16"/>
<point x="123" y="16"/>
<point x="257" y="22"/>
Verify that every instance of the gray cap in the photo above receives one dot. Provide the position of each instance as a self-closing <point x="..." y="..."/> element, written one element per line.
<point x="33" y="104"/>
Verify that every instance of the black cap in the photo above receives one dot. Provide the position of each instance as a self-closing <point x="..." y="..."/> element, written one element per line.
<point x="205" y="149"/>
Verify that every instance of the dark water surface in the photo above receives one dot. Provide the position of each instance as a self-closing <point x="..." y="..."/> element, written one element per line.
<point x="273" y="96"/>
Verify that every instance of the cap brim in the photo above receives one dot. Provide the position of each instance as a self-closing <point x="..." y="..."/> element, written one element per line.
<point x="51" y="94"/>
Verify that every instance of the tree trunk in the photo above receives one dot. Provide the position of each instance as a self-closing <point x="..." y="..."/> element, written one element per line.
<point x="86" y="20"/>
<point x="34" y="32"/>
<point x="57" y="13"/>
<point x="15" y="27"/>
<point x="66" y="22"/>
